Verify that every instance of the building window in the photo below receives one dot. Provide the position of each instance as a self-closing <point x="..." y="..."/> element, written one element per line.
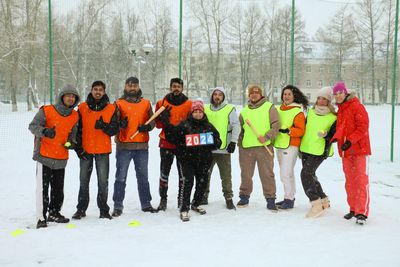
<point x="320" y="83"/>
<point x="308" y="83"/>
<point x="330" y="83"/>
<point x="344" y="69"/>
<point x="321" y="69"/>
<point x="308" y="68"/>
<point x="353" y="83"/>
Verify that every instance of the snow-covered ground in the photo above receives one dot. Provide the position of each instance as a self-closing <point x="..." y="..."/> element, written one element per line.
<point x="251" y="236"/>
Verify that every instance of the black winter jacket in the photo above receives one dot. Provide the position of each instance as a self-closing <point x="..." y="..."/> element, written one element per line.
<point x="177" y="135"/>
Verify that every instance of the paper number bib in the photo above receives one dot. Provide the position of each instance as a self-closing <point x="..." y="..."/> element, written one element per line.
<point x="199" y="139"/>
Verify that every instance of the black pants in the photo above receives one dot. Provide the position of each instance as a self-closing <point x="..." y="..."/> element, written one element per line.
<point x="309" y="179"/>
<point x="46" y="177"/>
<point x="192" y="170"/>
<point x="167" y="158"/>
<point x="102" y="170"/>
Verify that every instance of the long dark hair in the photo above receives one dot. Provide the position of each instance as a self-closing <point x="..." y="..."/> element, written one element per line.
<point x="299" y="97"/>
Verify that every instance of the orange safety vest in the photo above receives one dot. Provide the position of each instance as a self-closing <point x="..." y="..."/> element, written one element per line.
<point x="95" y="141"/>
<point x="54" y="148"/>
<point x="138" y="114"/>
<point x="177" y="113"/>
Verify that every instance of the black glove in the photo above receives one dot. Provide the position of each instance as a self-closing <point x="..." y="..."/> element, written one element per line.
<point x="144" y="128"/>
<point x="69" y="145"/>
<point x="49" y="132"/>
<point x="346" y="145"/>
<point x="100" y="124"/>
<point x="164" y="116"/>
<point x="231" y="147"/>
<point x="82" y="154"/>
<point x="284" y="131"/>
<point x="123" y="123"/>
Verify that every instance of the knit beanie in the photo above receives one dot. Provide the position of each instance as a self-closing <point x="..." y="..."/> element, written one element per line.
<point x="132" y="80"/>
<point x="255" y="89"/>
<point x="325" y="92"/>
<point x="340" y="87"/>
<point x="197" y="105"/>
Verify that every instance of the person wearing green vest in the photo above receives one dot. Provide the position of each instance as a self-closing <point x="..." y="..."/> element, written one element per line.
<point x="315" y="148"/>
<point x="288" y="140"/>
<point x="224" y="118"/>
<point x="255" y="146"/>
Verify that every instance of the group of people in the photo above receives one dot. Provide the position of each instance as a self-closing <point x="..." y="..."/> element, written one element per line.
<point x="199" y="137"/>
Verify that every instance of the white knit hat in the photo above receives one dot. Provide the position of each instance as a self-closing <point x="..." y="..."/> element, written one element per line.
<point x="325" y="92"/>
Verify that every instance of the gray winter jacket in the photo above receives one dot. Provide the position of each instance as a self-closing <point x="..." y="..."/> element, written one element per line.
<point x="39" y="121"/>
<point x="234" y="125"/>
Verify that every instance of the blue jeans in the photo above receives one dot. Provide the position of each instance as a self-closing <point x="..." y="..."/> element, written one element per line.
<point x="140" y="159"/>
<point x="102" y="170"/>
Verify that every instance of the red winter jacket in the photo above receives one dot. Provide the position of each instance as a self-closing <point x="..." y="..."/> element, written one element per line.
<point x="352" y="124"/>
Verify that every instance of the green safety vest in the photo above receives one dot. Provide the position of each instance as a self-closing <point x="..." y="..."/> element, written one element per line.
<point x="259" y="117"/>
<point x="286" y="118"/>
<point x="220" y="120"/>
<point x="311" y="143"/>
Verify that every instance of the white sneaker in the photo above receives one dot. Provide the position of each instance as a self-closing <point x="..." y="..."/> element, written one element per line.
<point x="184" y="216"/>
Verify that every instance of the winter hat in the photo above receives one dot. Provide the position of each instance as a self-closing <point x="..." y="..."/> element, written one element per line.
<point x="197" y="105"/>
<point x="340" y="87"/>
<point x="255" y="89"/>
<point x="132" y="80"/>
<point x="325" y="92"/>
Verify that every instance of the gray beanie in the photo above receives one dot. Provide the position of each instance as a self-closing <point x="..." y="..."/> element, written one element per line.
<point x="325" y="92"/>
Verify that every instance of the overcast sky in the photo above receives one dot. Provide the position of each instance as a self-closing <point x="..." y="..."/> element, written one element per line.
<point x="315" y="12"/>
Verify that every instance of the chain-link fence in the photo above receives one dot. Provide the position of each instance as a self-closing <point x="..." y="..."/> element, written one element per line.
<point x="224" y="43"/>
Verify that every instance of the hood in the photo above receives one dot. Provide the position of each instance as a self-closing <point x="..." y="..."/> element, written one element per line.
<point x="224" y="102"/>
<point x="67" y="89"/>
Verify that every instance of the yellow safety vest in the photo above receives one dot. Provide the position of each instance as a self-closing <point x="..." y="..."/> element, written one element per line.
<point x="311" y="143"/>
<point x="220" y="120"/>
<point x="259" y="117"/>
<point x="286" y="118"/>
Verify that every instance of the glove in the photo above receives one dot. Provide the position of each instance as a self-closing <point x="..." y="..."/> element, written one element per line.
<point x="164" y="116"/>
<point x="69" y="145"/>
<point x="49" y="132"/>
<point x="82" y="154"/>
<point x="346" y="145"/>
<point x="123" y="123"/>
<point x="231" y="147"/>
<point x="100" y="124"/>
<point x="144" y="128"/>
<point x="286" y="131"/>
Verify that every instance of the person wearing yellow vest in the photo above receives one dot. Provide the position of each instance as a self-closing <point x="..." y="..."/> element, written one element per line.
<point x="253" y="148"/>
<point x="98" y="121"/>
<point x="177" y="110"/>
<point x="54" y="128"/>
<point x="288" y="140"/>
<point x="133" y="112"/>
<point x="224" y="118"/>
<point x="315" y="148"/>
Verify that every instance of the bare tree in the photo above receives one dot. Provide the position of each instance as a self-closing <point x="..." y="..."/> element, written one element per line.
<point x="246" y="28"/>
<point x="370" y="14"/>
<point x="212" y="14"/>
<point x="339" y="38"/>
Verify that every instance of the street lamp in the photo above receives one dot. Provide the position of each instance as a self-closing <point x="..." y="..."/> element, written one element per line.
<point x="139" y="59"/>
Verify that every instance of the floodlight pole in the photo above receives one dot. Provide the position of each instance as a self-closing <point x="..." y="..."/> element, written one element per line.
<point x="292" y="47"/>
<point x="394" y="81"/>
<point x="50" y="55"/>
<point x="180" y="38"/>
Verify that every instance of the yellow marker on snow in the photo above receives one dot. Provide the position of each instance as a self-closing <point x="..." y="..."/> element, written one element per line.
<point x="134" y="223"/>
<point x="70" y="226"/>
<point x="17" y="232"/>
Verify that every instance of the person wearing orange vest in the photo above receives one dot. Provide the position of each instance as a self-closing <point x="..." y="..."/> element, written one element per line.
<point x="98" y="121"/>
<point x="177" y="110"/>
<point x="133" y="112"/>
<point x="287" y="142"/>
<point x="54" y="128"/>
